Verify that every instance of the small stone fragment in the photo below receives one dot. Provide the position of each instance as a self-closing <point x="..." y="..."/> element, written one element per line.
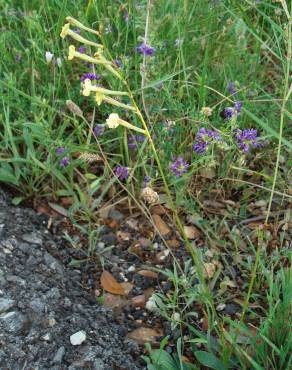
<point x="58" y="358"/>
<point x="78" y="338"/>
<point x="6" y="304"/>
<point x="139" y="301"/>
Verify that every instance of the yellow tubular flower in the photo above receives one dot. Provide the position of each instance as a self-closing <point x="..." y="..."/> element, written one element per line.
<point x="99" y="98"/>
<point x="65" y="30"/>
<point x="88" y="87"/>
<point x="71" y="52"/>
<point x="75" y="54"/>
<point x="118" y="104"/>
<point x="114" y="121"/>
<point x="80" y="25"/>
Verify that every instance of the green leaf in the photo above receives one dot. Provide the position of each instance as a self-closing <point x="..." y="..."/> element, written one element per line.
<point x="17" y="200"/>
<point x="208" y="359"/>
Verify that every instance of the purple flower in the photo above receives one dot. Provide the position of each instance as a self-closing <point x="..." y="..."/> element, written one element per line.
<point x="81" y="49"/>
<point x="18" y="57"/>
<point x="230" y="112"/>
<point x="248" y="139"/>
<point x="134" y="140"/>
<point x="98" y="130"/>
<point x="64" y="162"/>
<point x="121" y="172"/>
<point x="231" y="87"/>
<point x="178" y="166"/>
<point x="60" y="150"/>
<point x="91" y="76"/>
<point x="77" y="30"/>
<point x="146" y="50"/>
<point x="146" y="181"/>
<point x="203" y="139"/>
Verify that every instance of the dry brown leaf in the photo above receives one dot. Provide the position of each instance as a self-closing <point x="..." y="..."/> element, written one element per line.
<point x="59" y="209"/>
<point x="161" y="225"/>
<point x="192" y="232"/>
<point x="110" y="284"/>
<point x="115" y="302"/>
<point x="158" y="210"/>
<point x="173" y="243"/>
<point x="127" y="287"/>
<point x="143" y="335"/>
<point x="148" y="273"/>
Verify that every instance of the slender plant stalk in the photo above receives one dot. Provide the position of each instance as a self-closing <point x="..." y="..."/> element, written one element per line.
<point x="286" y="95"/>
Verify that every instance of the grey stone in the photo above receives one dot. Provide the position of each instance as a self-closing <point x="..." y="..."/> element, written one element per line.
<point x="99" y="364"/>
<point x="115" y="215"/>
<point x="13" y="321"/>
<point x="6" y="304"/>
<point x="52" y="263"/>
<point x="32" y="238"/>
<point x="58" y="358"/>
<point x="37" y="305"/>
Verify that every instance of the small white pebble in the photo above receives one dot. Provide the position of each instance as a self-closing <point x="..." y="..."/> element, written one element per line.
<point x="131" y="268"/>
<point x="77" y="338"/>
<point x="151" y="305"/>
<point x="176" y="316"/>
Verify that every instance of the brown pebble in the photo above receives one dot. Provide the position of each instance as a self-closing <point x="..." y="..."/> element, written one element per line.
<point x="139" y="301"/>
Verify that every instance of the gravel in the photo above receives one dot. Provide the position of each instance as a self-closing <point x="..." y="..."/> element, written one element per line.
<point x="42" y="305"/>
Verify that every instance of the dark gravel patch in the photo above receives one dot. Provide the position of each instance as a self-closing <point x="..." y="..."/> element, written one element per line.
<point x="42" y="304"/>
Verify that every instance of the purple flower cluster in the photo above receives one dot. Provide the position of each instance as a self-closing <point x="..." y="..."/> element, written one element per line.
<point x="121" y="172"/>
<point x="248" y="139"/>
<point x="134" y="140"/>
<point x="179" y="166"/>
<point x="203" y="139"/>
<point x="65" y="161"/>
<point x="91" y="76"/>
<point x="82" y="49"/>
<point x="146" y="50"/>
<point x="98" y="130"/>
<point x="230" y="112"/>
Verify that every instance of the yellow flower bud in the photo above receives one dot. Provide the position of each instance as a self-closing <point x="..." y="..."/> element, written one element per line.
<point x="72" y="52"/>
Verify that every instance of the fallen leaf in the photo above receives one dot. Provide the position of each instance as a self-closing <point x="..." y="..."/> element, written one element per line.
<point x="139" y="301"/>
<point x="115" y="302"/>
<point x="127" y="287"/>
<point x="161" y="225"/>
<point x="110" y="284"/>
<point x="173" y="243"/>
<point x="209" y="270"/>
<point x="192" y="232"/>
<point x="148" y="273"/>
<point x="143" y="335"/>
<point x="59" y="209"/>
<point x="67" y="201"/>
<point x="158" y="210"/>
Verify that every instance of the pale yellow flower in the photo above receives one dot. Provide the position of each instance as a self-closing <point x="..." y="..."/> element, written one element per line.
<point x="99" y="98"/>
<point x="113" y="120"/>
<point x="65" y="30"/>
<point x="72" y="52"/>
<point x="80" y="25"/>
<point x="88" y="87"/>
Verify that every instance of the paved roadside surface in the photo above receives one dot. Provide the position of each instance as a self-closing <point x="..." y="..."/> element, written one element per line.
<point x="47" y="321"/>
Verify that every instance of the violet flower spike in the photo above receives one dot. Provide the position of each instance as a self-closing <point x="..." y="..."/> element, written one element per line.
<point x="248" y="139"/>
<point x="121" y="172"/>
<point x="146" y="50"/>
<point x="64" y="162"/>
<point x="179" y="166"/>
<point x="60" y="150"/>
<point x="91" y="76"/>
<point x="98" y="130"/>
<point x="203" y="139"/>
